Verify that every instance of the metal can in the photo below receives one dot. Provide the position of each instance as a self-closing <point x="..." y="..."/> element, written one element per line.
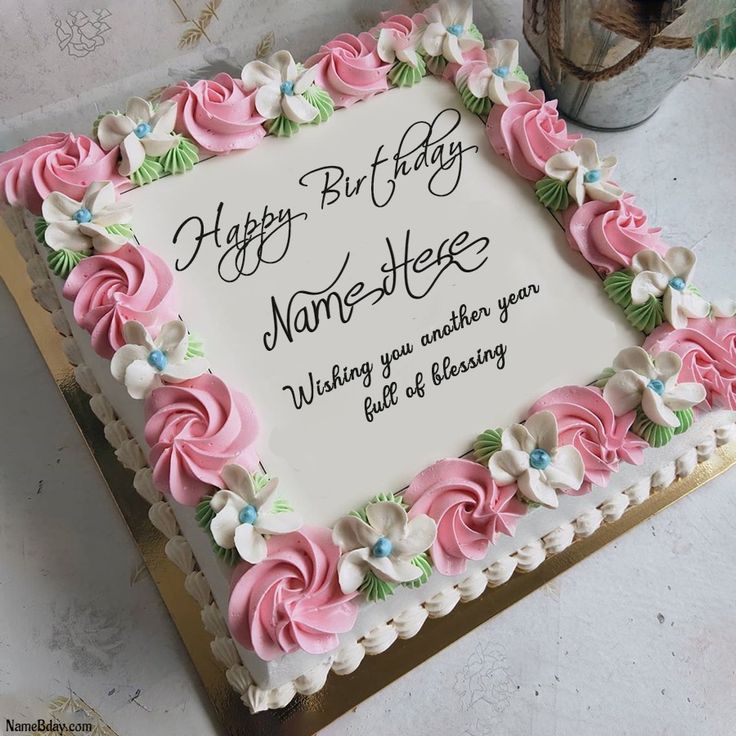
<point x="607" y="62"/>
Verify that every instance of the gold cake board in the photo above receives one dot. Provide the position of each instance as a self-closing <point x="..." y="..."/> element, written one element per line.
<point x="305" y="714"/>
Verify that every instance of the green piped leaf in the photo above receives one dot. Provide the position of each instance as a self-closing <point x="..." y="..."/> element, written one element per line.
<point x="647" y="316"/>
<point x="604" y="378"/>
<point x="423" y="563"/>
<point x="319" y="98"/>
<point x="389" y="497"/>
<point x="707" y="39"/>
<point x="436" y="65"/>
<point x="486" y="444"/>
<point x="125" y="231"/>
<point x="149" y="171"/>
<point x="180" y="158"/>
<point x="281" y="127"/>
<point x="686" y="418"/>
<point x="61" y="262"/>
<point x="727" y="37"/>
<point x="96" y="123"/>
<point x="476" y="105"/>
<point x="281" y="506"/>
<point x="519" y="73"/>
<point x="406" y="75"/>
<point x="195" y="348"/>
<point x="552" y="193"/>
<point x="618" y="287"/>
<point x="39" y="230"/>
<point x="230" y="556"/>
<point x="475" y="33"/>
<point x="260" y="481"/>
<point x="204" y="513"/>
<point x="654" y="434"/>
<point x="375" y="589"/>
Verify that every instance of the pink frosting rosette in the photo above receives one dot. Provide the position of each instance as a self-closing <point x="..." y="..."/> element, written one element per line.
<point x="708" y="351"/>
<point x="528" y="132"/>
<point x="469" y="508"/>
<point x="586" y="421"/>
<point x="350" y="68"/>
<point x="610" y="234"/>
<point x="194" y="429"/>
<point x="58" y="162"/>
<point x="401" y="28"/>
<point x="292" y="599"/>
<point x="218" y="114"/>
<point x="109" y="290"/>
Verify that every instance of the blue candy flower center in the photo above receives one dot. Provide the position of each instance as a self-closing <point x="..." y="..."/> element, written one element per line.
<point x="677" y="283"/>
<point x="456" y="29"/>
<point x="539" y="459"/>
<point x="592" y="176"/>
<point x="157" y="359"/>
<point x="142" y="130"/>
<point x="82" y="215"/>
<point x="287" y="88"/>
<point x="248" y="514"/>
<point x="382" y="547"/>
<point x="501" y="71"/>
<point x="656" y="385"/>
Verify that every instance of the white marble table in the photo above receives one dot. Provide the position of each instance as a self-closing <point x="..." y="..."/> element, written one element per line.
<point x="637" y="639"/>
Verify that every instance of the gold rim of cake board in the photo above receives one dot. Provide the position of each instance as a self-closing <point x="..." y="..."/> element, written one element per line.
<point x="305" y="714"/>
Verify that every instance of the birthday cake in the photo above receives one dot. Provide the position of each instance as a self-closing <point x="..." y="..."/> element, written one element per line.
<point x="373" y="332"/>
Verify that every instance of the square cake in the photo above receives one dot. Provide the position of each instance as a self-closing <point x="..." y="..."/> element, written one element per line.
<point x="373" y="331"/>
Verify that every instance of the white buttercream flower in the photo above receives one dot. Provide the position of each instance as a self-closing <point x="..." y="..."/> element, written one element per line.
<point x="80" y="226"/>
<point x="448" y="31"/>
<point x="281" y="86"/>
<point x="141" y="131"/>
<point x="584" y="172"/>
<point x="242" y="519"/>
<point x="529" y="456"/>
<point x="651" y="383"/>
<point x="392" y="45"/>
<point x="144" y="364"/>
<point x="497" y="80"/>
<point x="385" y="545"/>
<point x="669" y="278"/>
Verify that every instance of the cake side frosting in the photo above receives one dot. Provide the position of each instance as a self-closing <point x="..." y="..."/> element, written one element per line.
<point x="197" y="426"/>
